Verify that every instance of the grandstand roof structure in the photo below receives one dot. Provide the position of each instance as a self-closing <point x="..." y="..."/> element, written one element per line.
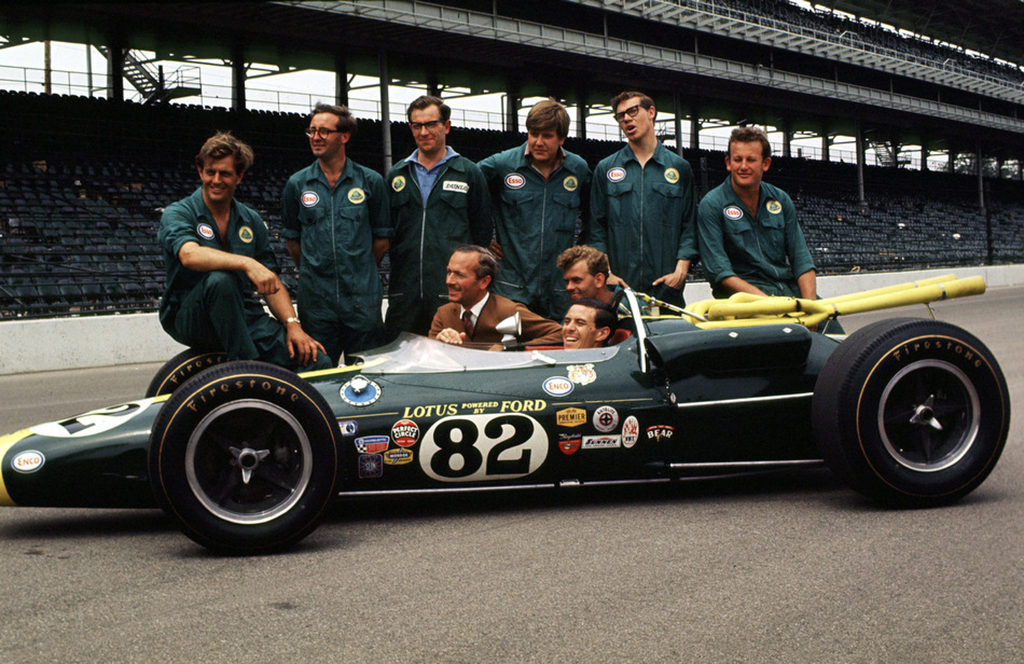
<point x="721" y="59"/>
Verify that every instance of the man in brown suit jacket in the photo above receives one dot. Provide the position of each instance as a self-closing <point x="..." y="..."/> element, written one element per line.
<point x="473" y="312"/>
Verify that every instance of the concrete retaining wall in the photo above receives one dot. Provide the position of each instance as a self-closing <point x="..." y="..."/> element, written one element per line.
<point x="96" y="341"/>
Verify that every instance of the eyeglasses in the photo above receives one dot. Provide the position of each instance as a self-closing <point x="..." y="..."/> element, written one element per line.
<point x="631" y="112"/>
<point x="322" y="132"/>
<point x="430" y="125"/>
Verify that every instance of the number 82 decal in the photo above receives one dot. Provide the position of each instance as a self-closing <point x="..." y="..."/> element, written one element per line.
<point x="472" y="448"/>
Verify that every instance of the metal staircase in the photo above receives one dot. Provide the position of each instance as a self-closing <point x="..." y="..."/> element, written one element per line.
<point x="152" y="85"/>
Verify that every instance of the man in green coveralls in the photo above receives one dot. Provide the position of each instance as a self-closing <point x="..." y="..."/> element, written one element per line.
<point x="439" y="201"/>
<point x="750" y="239"/>
<point x="217" y="252"/>
<point x="643" y="206"/>
<point x="539" y="192"/>
<point x="336" y="221"/>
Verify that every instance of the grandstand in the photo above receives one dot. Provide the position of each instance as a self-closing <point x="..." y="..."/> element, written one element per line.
<point x="83" y="179"/>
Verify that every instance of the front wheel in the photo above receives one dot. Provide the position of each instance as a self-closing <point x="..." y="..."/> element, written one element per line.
<point x="911" y="412"/>
<point x="244" y="457"/>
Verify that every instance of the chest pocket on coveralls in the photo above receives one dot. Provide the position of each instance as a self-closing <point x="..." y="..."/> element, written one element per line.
<point x="670" y="195"/>
<point x="775" y="232"/>
<point x="619" y="199"/>
<point x="455" y="203"/>
<point x="566" y="212"/>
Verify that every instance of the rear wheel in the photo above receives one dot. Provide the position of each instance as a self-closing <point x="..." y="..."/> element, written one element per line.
<point x="244" y="456"/>
<point x="180" y="368"/>
<point x="911" y="412"/>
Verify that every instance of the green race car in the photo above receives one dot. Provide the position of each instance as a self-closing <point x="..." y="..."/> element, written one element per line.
<point x="245" y="456"/>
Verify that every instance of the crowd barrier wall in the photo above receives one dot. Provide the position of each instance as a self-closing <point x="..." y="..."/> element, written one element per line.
<point x="97" y="341"/>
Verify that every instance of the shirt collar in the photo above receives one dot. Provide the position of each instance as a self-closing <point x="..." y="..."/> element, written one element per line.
<point x="476" y="308"/>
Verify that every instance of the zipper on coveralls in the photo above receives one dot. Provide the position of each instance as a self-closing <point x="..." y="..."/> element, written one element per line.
<point x="423" y="221"/>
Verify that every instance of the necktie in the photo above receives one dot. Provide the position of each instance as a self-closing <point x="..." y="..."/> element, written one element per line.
<point x="467" y="322"/>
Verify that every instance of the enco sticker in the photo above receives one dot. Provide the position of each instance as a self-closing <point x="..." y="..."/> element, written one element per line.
<point x="28" y="462"/>
<point x="309" y="198"/>
<point x="616" y="174"/>
<point x="515" y="181"/>
<point x="774" y="207"/>
<point x="558" y="386"/>
<point x="205" y="231"/>
<point x="405" y="433"/>
<point x="733" y="212"/>
<point x="245" y="234"/>
<point x="606" y="419"/>
<point x="630" y="432"/>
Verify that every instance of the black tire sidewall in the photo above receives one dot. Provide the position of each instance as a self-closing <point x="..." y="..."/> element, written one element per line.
<point x="176" y="371"/>
<point x="863" y="371"/>
<point x="184" y="411"/>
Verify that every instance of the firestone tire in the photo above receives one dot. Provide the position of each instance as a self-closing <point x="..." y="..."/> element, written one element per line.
<point x="244" y="456"/>
<point x="180" y="368"/>
<point x="911" y="412"/>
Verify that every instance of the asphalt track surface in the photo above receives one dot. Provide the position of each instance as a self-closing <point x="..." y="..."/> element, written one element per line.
<point x="786" y="568"/>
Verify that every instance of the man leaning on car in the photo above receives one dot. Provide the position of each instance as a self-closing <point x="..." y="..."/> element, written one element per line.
<point x="218" y="256"/>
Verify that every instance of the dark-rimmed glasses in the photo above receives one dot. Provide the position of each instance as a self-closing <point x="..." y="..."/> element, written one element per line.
<point x="429" y="125"/>
<point x="631" y="112"/>
<point x="322" y="132"/>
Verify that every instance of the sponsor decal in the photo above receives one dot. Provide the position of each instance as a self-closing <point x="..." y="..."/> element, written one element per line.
<point x="733" y="212"/>
<point x="372" y="444"/>
<point x="774" y="207"/>
<point x="671" y="175"/>
<point x="28" y="462"/>
<point x="360" y="391"/>
<point x="348" y="427"/>
<point x="557" y="386"/>
<point x="570" y="183"/>
<point x="582" y="374"/>
<point x="245" y="234"/>
<point x="309" y="198"/>
<point x="616" y="174"/>
<point x="398" y="184"/>
<point x="630" y="431"/>
<point x="205" y="231"/>
<point x="356" y="195"/>
<point x="515" y="181"/>
<point x="601" y="442"/>
<point x="405" y="433"/>
<point x="456" y="186"/>
<point x="571" y="417"/>
<point x="660" y="432"/>
<point x="445" y="409"/>
<point x="569" y="442"/>
<point x="606" y="419"/>
<point x="398" y="457"/>
<point x="371" y="466"/>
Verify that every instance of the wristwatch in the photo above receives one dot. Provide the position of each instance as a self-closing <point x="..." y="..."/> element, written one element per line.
<point x="292" y="319"/>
